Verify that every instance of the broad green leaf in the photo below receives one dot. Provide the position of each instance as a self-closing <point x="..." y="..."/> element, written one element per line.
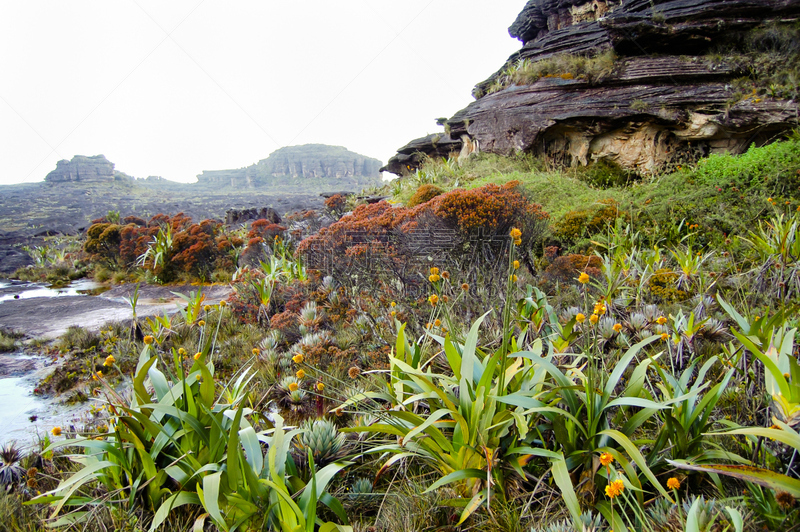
<point x="210" y="498"/>
<point x="756" y="475"/>
<point x="179" y="499"/>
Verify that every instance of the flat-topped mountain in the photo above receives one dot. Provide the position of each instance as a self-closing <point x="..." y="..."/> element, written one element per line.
<point x="311" y="164"/>
<point x="83" y="169"/>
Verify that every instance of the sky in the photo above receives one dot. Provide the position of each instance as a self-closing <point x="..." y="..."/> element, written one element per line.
<point x="174" y="88"/>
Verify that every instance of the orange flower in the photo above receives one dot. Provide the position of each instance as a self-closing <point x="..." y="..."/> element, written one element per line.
<point x="148" y="339"/>
<point x="109" y="360"/>
<point x="353" y="372"/>
<point x="615" y="488"/>
<point x="661" y="320"/>
<point x="593" y="318"/>
<point x="664" y="336"/>
<point x="606" y="459"/>
<point x="673" y="483"/>
<point x="56" y="431"/>
<point x="580" y="318"/>
<point x="300" y="373"/>
<point x="198" y="355"/>
<point x="617" y="327"/>
<point x="465" y="287"/>
<point x="437" y="323"/>
<point x="433" y="299"/>
<point x="256" y="351"/>
<point x="583" y="278"/>
<point x="293" y="386"/>
<point x="298" y="358"/>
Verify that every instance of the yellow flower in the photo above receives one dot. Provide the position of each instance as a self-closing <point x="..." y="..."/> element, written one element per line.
<point x="256" y="351"/>
<point x="438" y="323"/>
<point x="673" y="483"/>
<point x="148" y="339"/>
<point x="661" y="320"/>
<point x="320" y="386"/>
<point x="593" y="318"/>
<point x="392" y="304"/>
<point x="434" y="271"/>
<point x="580" y="318"/>
<point x="433" y="278"/>
<point x="583" y="278"/>
<point x="207" y="308"/>
<point x="109" y="360"/>
<point x="298" y="358"/>
<point x="198" y="355"/>
<point x="201" y="323"/>
<point x="433" y="299"/>
<point x="394" y="313"/>
<point x="56" y="431"/>
<point x="98" y="375"/>
<point x="664" y="336"/>
<point x="516" y="265"/>
<point x="300" y="373"/>
<point x="615" y="488"/>
<point x="514" y="278"/>
<point x="428" y="325"/>
<point x="515" y="233"/>
<point x="600" y="308"/>
<point x="182" y="352"/>
<point x="222" y="303"/>
<point x="606" y="459"/>
<point x="617" y="327"/>
<point x="293" y="386"/>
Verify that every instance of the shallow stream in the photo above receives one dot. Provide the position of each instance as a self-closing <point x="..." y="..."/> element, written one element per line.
<point x="24" y="417"/>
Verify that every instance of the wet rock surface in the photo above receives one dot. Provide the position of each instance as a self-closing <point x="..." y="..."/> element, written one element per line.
<point x="50" y="317"/>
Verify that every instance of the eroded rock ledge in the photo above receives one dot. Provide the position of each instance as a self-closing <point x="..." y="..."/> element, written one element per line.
<point x="677" y="89"/>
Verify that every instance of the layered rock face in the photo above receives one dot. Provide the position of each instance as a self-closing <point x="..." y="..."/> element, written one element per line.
<point x="307" y="162"/>
<point x="96" y="169"/>
<point x="644" y="84"/>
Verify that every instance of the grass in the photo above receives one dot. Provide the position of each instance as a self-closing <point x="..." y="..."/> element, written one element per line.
<point x="722" y="193"/>
<point x="9" y="340"/>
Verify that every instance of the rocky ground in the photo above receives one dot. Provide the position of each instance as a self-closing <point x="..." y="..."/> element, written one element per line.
<point x="30" y="212"/>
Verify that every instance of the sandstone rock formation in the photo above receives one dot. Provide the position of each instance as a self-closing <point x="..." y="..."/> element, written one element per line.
<point x="642" y="83"/>
<point x="96" y="169"/>
<point x="295" y="164"/>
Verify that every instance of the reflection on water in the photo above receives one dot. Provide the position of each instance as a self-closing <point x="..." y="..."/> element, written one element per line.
<point x="21" y="290"/>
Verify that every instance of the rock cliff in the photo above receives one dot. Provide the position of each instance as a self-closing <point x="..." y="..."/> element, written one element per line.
<point x="96" y="169"/>
<point x="297" y="164"/>
<point x="642" y="83"/>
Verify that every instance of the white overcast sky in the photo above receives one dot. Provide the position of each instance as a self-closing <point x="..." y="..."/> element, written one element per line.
<point x="175" y="87"/>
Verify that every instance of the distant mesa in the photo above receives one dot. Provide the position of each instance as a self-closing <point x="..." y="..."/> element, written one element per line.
<point x="83" y="169"/>
<point x="295" y="164"/>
